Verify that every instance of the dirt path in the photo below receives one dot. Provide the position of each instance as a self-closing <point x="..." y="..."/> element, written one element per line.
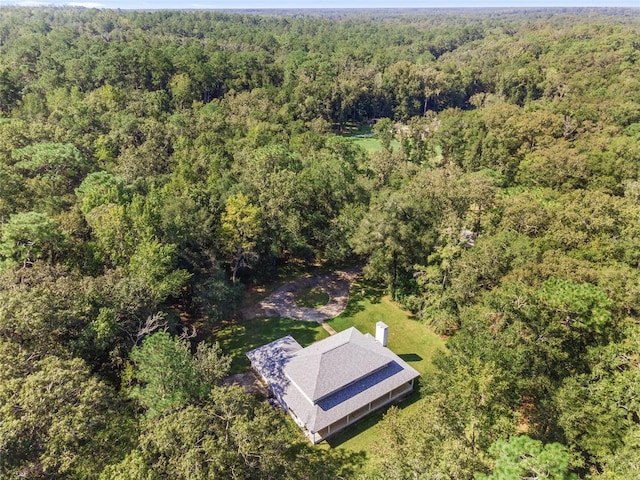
<point x="282" y="302"/>
<point x="328" y="328"/>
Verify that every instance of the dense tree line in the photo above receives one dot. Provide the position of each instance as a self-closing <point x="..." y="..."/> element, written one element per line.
<point x="154" y="163"/>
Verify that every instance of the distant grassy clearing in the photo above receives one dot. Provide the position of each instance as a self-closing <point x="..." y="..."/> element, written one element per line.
<point x="364" y="136"/>
<point x="370" y="144"/>
<point x="312" y="297"/>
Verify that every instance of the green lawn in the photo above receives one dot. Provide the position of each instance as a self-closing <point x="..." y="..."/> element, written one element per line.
<point x="312" y="297"/>
<point x="411" y="340"/>
<point x="370" y="144"/>
<point x="360" y="135"/>
<point x="238" y="338"/>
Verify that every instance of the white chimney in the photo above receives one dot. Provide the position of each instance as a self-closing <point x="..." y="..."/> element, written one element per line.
<point x="382" y="333"/>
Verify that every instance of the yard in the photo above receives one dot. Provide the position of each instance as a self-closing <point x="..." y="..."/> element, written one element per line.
<point x="238" y="338"/>
<point x="410" y="339"/>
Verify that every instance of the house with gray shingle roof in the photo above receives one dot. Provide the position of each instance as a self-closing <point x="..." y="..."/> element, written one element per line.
<point x="335" y="382"/>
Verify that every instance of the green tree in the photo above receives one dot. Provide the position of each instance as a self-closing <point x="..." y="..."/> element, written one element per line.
<point x="58" y="420"/>
<point x="599" y="410"/>
<point x="270" y="176"/>
<point x="13" y="195"/>
<point x="239" y="228"/>
<point x="385" y="130"/>
<point x="232" y="435"/>
<point x="623" y="463"/>
<point x="477" y="399"/>
<point x="100" y="188"/>
<point x="115" y="236"/>
<point x="9" y="90"/>
<point x="420" y="445"/>
<point x="165" y="375"/>
<point x="523" y="458"/>
<point x="584" y="306"/>
<point x="51" y="160"/>
<point x="182" y="90"/>
<point x="154" y="263"/>
<point x="557" y="166"/>
<point x="30" y="236"/>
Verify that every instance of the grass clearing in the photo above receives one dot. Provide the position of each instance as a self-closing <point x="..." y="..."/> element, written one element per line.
<point x="414" y="342"/>
<point x="364" y="136"/>
<point x="370" y="144"/>
<point x="410" y="339"/>
<point x="312" y="297"/>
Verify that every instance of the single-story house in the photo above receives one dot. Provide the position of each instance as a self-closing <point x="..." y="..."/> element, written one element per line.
<point x="329" y="385"/>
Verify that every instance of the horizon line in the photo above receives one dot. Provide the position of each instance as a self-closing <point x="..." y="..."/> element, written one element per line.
<point x="77" y="5"/>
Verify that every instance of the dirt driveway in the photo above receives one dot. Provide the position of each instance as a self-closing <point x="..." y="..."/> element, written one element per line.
<point x="282" y="302"/>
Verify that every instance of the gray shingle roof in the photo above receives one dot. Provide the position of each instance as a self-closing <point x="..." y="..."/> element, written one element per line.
<point x="343" y="373"/>
<point x="328" y="366"/>
<point x="270" y="359"/>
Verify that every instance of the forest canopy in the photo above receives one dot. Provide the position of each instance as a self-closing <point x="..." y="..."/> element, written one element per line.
<point x="155" y="164"/>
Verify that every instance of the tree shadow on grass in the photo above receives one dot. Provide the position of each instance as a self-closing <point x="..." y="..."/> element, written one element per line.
<point x="311" y="297"/>
<point x="325" y="463"/>
<point x="362" y="290"/>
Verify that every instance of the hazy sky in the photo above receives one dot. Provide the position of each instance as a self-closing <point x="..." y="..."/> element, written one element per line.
<point x="253" y="4"/>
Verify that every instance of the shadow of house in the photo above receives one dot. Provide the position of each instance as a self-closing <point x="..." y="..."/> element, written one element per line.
<point x="332" y="383"/>
<point x="410" y="357"/>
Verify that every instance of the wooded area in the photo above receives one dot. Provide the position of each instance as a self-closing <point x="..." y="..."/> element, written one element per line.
<point x="154" y="164"/>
